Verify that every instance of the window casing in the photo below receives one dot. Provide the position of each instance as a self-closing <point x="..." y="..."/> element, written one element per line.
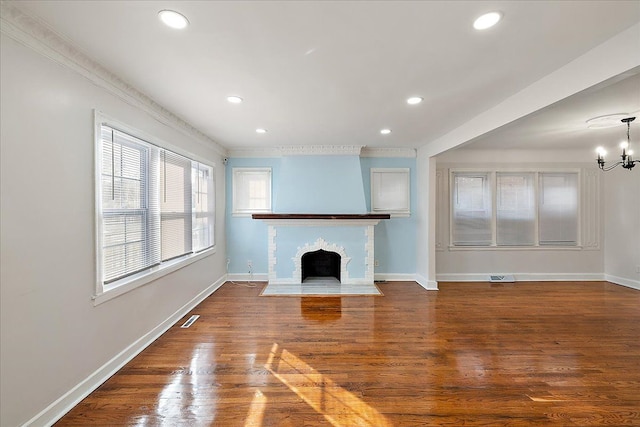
<point x="251" y="191"/>
<point x="154" y="208"/>
<point x="514" y="209"/>
<point x="390" y="191"/>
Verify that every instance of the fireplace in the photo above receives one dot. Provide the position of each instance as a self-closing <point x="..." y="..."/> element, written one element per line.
<point x="302" y="246"/>
<point x="320" y="263"/>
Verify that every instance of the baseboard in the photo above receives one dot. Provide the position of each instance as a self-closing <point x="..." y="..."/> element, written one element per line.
<point x="523" y="277"/>
<point x="66" y="402"/>
<point x="429" y="285"/>
<point x="395" y="277"/>
<point x="633" y="284"/>
<point x="246" y="277"/>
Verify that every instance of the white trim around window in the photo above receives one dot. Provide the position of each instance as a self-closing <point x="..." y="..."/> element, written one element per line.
<point x="251" y="191"/>
<point x="391" y="191"/>
<point x="129" y="166"/>
<point x="478" y="208"/>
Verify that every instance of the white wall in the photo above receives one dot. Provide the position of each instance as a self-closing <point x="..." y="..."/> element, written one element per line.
<point x="585" y="263"/>
<point x="622" y="226"/>
<point x="425" y="212"/>
<point x="53" y="337"/>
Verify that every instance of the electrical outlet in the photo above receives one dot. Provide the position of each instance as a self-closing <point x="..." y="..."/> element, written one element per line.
<point x="638" y="269"/>
<point x="249" y="263"/>
<point x="376" y="263"/>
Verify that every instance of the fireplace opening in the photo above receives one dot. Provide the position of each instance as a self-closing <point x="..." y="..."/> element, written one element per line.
<point x="320" y="263"/>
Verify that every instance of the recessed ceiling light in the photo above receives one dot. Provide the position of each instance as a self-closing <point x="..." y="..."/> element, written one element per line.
<point x="385" y="131"/>
<point x="261" y="130"/>
<point x="234" y="99"/>
<point x="414" y="100"/>
<point x="487" y="20"/>
<point x="173" y="19"/>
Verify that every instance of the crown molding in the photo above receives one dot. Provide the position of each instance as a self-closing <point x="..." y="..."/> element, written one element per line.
<point x="320" y="150"/>
<point x="35" y="34"/>
<point x="388" y="152"/>
<point x="254" y="152"/>
<point x="310" y="150"/>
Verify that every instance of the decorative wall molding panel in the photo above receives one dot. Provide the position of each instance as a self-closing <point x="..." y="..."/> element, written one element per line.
<point x="34" y="34"/>
<point x="591" y="209"/>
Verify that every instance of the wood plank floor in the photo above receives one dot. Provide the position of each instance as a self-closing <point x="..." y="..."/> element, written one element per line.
<point x="471" y="354"/>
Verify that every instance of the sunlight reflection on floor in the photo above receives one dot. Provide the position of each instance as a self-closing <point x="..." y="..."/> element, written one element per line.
<point x="339" y="406"/>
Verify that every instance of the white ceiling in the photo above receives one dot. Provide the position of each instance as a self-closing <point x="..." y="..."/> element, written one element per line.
<point x="319" y="72"/>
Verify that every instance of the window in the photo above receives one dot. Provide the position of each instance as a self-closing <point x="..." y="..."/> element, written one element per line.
<point x="390" y="191"/>
<point x="558" y="211"/>
<point x="471" y="223"/>
<point x="154" y="206"/>
<point x="514" y="208"/>
<point x="251" y="191"/>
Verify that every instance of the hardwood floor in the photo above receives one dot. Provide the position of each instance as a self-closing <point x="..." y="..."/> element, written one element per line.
<point x="471" y="354"/>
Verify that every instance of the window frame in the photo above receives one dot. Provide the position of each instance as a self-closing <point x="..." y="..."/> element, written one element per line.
<point x="492" y="178"/>
<point x="246" y="212"/>
<point x="405" y="211"/>
<point x="106" y="291"/>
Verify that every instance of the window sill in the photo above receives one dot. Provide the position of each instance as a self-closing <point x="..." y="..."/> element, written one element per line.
<point x="515" y="248"/>
<point x="130" y="283"/>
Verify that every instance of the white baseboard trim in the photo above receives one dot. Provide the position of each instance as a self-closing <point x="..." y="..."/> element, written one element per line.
<point x="523" y="277"/>
<point x="245" y="277"/>
<point x="633" y="284"/>
<point x="66" y="402"/>
<point x="429" y="285"/>
<point x="395" y="277"/>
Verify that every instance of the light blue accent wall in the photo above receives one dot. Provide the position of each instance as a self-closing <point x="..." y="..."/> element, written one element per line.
<point x="395" y="238"/>
<point x="350" y="238"/>
<point x="247" y="237"/>
<point x="320" y="184"/>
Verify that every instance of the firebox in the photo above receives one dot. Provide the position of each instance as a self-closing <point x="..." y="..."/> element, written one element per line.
<point x="320" y="263"/>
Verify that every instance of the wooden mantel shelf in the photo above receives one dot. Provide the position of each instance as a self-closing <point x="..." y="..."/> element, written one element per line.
<point x="342" y="217"/>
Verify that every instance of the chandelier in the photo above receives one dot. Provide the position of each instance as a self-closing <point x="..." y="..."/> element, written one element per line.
<point x="627" y="162"/>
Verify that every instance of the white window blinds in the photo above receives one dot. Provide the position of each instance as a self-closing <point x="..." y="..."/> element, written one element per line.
<point x="251" y="190"/>
<point x="203" y="206"/>
<point x="471" y="208"/>
<point x="130" y="222"/>
<point x="515" y="209"/>
<point x="558" y="210"/>
<point x="175" y="204"/>
<point x="152" y="206"/>
<point x="390" y="190"/>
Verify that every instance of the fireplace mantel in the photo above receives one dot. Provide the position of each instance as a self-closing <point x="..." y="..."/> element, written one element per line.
<point x="319" y="216"/>
<point x="320" y="219"/>
<point x="290" y="236"/>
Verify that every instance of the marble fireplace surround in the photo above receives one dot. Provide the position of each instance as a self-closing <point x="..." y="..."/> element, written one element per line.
<point x="322" y="225"/>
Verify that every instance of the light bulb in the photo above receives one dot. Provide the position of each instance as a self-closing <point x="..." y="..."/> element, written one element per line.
<point x="173" y="19"/>
<point x="624" y="145"/>
<point x="601" y="151"/>
<point x="487" y="20"/>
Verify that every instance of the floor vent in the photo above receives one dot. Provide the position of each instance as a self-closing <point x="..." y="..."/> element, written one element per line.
<point x="507" y="278"/>
<point x="191" y="321"/>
